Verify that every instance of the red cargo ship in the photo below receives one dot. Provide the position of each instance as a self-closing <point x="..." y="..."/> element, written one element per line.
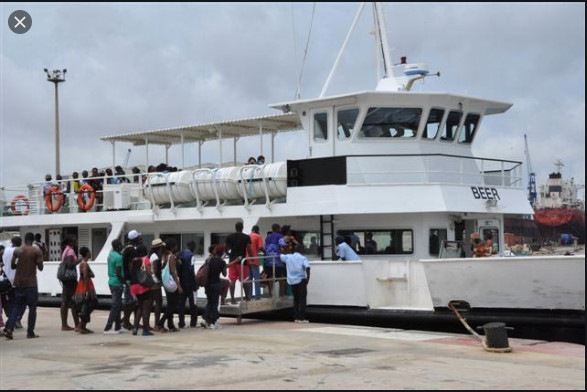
<point x="554" y="217"/>
<point x="559" y="210"/>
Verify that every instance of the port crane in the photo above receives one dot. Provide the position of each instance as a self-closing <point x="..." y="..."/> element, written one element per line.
<point x="532" y="194"/>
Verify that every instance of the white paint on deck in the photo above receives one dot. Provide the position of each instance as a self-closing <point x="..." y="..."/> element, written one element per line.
<point x="379" y="333"/>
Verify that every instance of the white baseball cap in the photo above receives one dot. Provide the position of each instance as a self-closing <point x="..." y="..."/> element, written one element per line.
<point x="133" y="235"/>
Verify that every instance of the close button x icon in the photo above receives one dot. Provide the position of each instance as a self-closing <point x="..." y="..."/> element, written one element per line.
<point x="17" y="20"/>
<point x="20" y="22"/>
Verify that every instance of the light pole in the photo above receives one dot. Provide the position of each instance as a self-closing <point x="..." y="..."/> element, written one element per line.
<point x="56" y="76"/>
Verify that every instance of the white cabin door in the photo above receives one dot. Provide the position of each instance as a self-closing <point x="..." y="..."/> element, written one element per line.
<point x="321" y="133"/>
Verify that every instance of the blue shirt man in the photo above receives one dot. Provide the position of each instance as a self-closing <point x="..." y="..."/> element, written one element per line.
<point x="298" y="276"/>
<point x="296" y="267"/>
<point x="186" y="271"/>
<point x="344" y="251"/>
<point x="187" y="279"/>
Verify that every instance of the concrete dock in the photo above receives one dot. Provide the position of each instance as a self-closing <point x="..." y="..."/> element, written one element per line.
<point x="260" y="354"/>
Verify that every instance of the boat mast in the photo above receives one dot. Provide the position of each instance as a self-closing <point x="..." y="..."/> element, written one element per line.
<point x="342" y="49"/>
<point x="400" y="77"/>
<point x="381" y="35"/>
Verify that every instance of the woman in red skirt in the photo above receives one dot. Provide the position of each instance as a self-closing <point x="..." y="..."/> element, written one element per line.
<point x="85" y="293"/>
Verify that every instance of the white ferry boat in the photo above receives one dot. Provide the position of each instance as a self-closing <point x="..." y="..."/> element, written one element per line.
<point x="393" y="166"/>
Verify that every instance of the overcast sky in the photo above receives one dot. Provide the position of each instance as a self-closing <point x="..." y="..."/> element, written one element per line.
<point x="134" y="67"/>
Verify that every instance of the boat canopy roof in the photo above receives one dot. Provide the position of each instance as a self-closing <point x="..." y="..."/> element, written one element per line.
<point x="252" y="126"/>
<point x="491" y="107"/>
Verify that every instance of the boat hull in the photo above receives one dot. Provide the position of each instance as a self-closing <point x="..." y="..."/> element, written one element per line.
<point x="554" y="222"/>
<point x="554" y="217"/>
<point x="541" y="297"/>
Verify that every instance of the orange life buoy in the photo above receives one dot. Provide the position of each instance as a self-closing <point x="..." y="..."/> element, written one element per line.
<point x="86" y="188"/>
<point x="49" y="199"/>
<point x="16" y="199"/>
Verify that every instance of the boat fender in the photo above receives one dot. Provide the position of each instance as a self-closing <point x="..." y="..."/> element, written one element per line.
<point x="49" y="199"/>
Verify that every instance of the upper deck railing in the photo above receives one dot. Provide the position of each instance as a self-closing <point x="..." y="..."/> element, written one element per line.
<point x="247" y="184"/>
<point x="433" y="169"/>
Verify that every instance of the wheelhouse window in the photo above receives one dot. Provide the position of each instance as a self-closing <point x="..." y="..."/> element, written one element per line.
<point x="147" y="239"/>
<point x="469" y="128"/>
<point x="384" y="242"/>
<point x="345" y="120"/>
<point x="391" y="122"/>
<point x="198" y="239"/>
<point x="452" y="126"/>
<point x="435" y="240"/>
<point x="218" y="238"/>
<point x="321" y="126"/>
<point x="183" y="239"/>
<point x="310" y="240"/>
<point x="433" y="124"/>
<point x="175" y="236"/>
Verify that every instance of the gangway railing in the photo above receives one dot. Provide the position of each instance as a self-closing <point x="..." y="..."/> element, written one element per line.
<point x="277" y="300"/>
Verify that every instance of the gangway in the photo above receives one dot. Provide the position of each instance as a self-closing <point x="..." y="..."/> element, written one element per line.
<point x="264" y="304"/>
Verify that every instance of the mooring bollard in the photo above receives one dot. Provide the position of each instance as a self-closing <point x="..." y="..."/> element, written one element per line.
<point x="496" y="337"/>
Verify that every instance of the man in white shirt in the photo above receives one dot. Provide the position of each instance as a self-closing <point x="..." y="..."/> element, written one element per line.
<point x="7" y="258"/>
<point x="8" y="298"/>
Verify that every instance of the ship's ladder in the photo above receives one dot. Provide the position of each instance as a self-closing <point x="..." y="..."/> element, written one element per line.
<point x="327" y="237"/>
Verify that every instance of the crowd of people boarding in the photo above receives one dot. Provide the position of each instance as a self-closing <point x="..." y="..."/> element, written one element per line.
<point x="139" y="272"/>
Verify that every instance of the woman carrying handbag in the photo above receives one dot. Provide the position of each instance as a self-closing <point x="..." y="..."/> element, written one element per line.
<point x="171" y="283"/>
<point x="141" y="282"/>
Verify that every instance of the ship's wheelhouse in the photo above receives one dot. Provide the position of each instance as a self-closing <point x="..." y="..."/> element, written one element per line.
<point x="398" y="122"/>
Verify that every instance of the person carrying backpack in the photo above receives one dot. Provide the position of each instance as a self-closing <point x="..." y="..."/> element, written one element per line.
<point x="69" y="284"/>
